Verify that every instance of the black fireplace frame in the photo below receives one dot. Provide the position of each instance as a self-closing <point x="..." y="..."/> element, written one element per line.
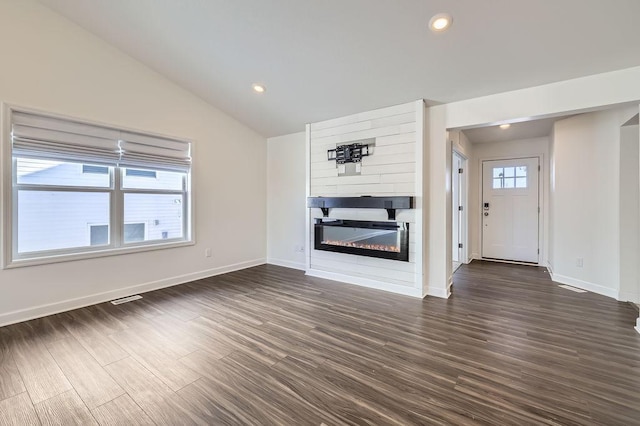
<point x="401" y="227"/>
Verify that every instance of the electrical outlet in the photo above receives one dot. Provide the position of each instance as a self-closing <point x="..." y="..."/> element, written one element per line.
<point x="579" y="262"/>
<point x="299" y="249"/>
<point x="207" y="252"/>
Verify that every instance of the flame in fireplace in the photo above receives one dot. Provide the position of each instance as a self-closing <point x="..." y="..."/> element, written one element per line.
<point x="379" y="247"/>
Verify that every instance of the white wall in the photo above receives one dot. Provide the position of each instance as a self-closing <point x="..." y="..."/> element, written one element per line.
<point x="630" y="214"/>
<point x="390" y="170"/>
<point x="554" y="99"/>
<point x="53" y="65"/>
<point x="286" y="201"/>
<point x="502" y="150"/>
<point x="586" y="200"/>
<point x="550" y="223"/>
<point x="460" y="143"/>
<point x="394" y="168"/>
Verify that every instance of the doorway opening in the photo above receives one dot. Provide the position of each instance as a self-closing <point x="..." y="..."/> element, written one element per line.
<point x="630" y="211"/>
<point x="483" y="145"/>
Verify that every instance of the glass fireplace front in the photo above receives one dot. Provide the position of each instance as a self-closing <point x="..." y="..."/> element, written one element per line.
<point x="387" y="240"/>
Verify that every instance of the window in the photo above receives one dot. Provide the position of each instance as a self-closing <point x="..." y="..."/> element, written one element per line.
<point x="509" y="177"/>
<point x="98" y="235"/>
<point x="134" y="232"/>
<point x="85" y="190"/>
<point x="142" y="173"/>
<point x="100" y="170"/>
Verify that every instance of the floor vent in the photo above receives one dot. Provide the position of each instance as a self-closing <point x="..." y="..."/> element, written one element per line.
<point x="126" y="299"/>
<point x="577" y="290"/>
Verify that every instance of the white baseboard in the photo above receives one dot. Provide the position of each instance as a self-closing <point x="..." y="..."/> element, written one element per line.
<point x="365" y="282"/>
<point x="442" y="293"/>
<point x="595" y="288"/>
<point x="287" y="264"/>
<point x="80" y="302"/>
<point x="626" y="296"/>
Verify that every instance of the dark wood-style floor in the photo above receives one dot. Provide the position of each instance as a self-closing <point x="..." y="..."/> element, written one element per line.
<point x="268" y="345"/>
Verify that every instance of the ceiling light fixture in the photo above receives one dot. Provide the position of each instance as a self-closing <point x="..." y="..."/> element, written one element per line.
<point x="440" y="22"/>
<point x="505" y="126"/>
<point x="259" y="88"/>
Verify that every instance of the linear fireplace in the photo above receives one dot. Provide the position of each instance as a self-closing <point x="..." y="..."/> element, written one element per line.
<point x="386" y="240"/>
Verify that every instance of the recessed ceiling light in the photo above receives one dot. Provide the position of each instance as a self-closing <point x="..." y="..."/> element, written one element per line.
<point x="259" y="88"/>
<point x="440" y="22"/>
<point x="505" y="126"/>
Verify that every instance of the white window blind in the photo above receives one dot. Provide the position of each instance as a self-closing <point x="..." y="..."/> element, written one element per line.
<point x="54" y="138"/>
<point x="138" y="150"/>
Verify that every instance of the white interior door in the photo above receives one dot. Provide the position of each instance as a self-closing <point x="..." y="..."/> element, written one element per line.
<point x="456" y="205"/>
<point x="510" y="209"/>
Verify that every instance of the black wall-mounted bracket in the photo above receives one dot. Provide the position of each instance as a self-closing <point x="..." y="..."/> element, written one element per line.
<point x="351" y="153"/>
<point x="390" y="204"/>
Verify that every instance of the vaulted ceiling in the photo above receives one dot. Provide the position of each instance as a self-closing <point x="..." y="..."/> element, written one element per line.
<point x="329" y="58"/>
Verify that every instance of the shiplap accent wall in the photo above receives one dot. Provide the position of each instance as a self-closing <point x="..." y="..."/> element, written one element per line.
<point x="394" y="167"/>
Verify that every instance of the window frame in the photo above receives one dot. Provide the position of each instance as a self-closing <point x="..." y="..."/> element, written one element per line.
<point x="502" y="178"/>
<point x="95" y="171"/>
<point x="9" y="256"/>
<point x="140" y="173"/>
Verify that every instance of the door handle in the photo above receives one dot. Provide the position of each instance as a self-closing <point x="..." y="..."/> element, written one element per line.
<point x="486" y="213"/>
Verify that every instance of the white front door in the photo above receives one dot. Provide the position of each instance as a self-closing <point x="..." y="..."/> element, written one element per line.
<point x="510" y="209"/>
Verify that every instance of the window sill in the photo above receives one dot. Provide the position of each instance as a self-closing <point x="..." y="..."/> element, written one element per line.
<point x="51" y="259"/>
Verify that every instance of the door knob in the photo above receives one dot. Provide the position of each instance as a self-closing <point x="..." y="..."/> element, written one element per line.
<point x="486" y="213"/>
